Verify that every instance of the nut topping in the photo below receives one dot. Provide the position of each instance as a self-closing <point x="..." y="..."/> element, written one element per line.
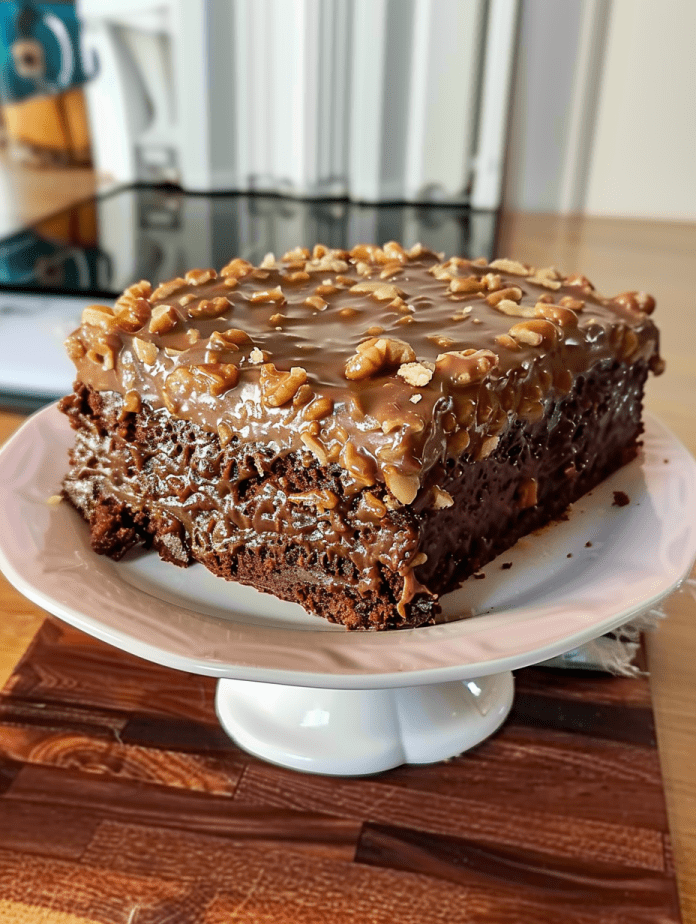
<point x="145" y="350"/>
<point x="510" y="266"/>
<point x="196" y="277"/>
<point x="99" y="316"/>
<point x="441" y="499"/>
<point x="316" y="302"/>
<point x="415" y="374"/>
<point x="378" y="355"/>
<point x="468" y="285"/>
<point x="382" y="291"/>
<point x="403" y="487"/>
<point x="277" y="388"/>
<point x="534" y="333"/>
<point x="466" y="367"/>
<point x="165" y="289"/>
<point x="267" y="295"/>
<point x="164" y="319"/>
<point x="209" y="308"/>
<point x="237" y="268"/>
<point x="514" y="294"/>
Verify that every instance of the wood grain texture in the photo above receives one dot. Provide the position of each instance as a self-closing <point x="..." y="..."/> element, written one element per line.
<point x="122" y="801"/>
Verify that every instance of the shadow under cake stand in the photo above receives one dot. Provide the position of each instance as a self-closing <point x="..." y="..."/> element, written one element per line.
<point x="302" y="693"/>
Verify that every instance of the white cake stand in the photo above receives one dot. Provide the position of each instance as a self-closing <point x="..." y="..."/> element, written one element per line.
<point x="299" y="692"/>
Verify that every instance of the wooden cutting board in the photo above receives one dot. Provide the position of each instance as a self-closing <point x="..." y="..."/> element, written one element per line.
<point x="121" y="800"/>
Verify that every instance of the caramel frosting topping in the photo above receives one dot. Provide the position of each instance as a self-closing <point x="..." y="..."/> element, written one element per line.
<point x="380" y="360"/>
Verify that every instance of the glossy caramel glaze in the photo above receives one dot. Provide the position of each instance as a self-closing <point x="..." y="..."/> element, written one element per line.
<point x="383" y="361"/>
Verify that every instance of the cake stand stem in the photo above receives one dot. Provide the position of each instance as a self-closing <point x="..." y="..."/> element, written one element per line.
<point x="355" y="732"/>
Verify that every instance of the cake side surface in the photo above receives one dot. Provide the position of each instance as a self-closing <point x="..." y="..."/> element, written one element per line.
<point x="440" y="411"/>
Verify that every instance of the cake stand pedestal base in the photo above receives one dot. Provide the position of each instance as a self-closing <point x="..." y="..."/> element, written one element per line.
<point x="355" y="732"/>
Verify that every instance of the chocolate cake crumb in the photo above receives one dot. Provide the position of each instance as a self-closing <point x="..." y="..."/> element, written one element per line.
<point x="621" y="499"/>
<point x="357" y="431"/>
<point x="506" y="565"/>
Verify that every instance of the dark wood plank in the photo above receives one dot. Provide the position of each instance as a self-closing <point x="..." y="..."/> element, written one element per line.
<point x="28" y="884"/>
<point x="66" y="666"/>
<point x="114" y="769"/>
<point x="591" y="885"/>
<point x="142" y="803"/>
<point x="485" y="822"/>
<point x="281" y="887"/>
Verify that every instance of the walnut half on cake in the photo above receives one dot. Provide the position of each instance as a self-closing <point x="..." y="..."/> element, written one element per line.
<point x="356" y="431"/>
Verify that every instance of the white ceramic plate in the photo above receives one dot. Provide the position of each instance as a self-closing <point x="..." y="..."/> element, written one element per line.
<point x="545" y="604"/>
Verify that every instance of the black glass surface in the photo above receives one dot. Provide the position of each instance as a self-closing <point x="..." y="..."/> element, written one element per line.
<point x="98" y="247"/>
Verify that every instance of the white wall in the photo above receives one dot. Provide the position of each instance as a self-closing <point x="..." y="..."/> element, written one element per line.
<point x="643" y="161"/>
<point x="604" y="109"/>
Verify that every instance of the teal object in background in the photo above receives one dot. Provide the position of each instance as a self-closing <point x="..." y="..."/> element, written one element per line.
<point x="39" y="49"/>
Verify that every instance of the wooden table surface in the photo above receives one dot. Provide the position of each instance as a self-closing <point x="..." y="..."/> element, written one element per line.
<point x="617" y="255"/>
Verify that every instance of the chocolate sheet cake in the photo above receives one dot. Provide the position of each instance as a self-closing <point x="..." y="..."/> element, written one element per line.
<point x="357" y="431"/>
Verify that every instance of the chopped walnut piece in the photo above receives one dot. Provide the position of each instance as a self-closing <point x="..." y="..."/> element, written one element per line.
<point x="164" y="319"/>
<point x="102" y="355"/>
<point x="295" y="278"/>
<point x="276" y="320"/>
<point x="296" y="255"/>
<point x="393" y="251"/>
<point x="237" y="268"/>
<point x="165" y="289"/>
<point x="382" y="291"/>
<point x="316" y="302"/>
<point x="268" y="262"/>
<point x="132" y="402"/>
<point x="209" y="308"/>
<point x="267" y="295"/>
<point x="378" y="355"/>
<point x="374" y="331"/>
<point x="635" y="301"/>
<point x="414" y="399"/>
<point x="492" y="282"/>
<point x="185" y="381"/>
<point x="277" y="387"/>
<point x="145" y="350"/>
<point x="348" y="313"/>
<point x="505" y="340"/>
<point x="193" y="335"/>
<point x="513" y="293"/>
<point x="467" y="285"/>
<point x="527" y="494"/>
<point x="315" y="447"/>
<point x="196" y="277"/>
<point x="75" y="347"/>
<point x="132" y="314"/>
<point x="534" y="333"/>
<point x="390" y="270"/>
<point x="576" y="304"/>
<point x="326" y="289"/>
<point x="441" y="499"/>
<point x="362" y="268"/>
<point x="415" y="374"/>
<point x="461" y="314"/>
<point x="563" y="316"/>
<point x="466" y="367"/>
<point x="225" y="433"/>
<point x="359" y="466"/>
<point x="319" y="408"/>
<point x="322" y="499"/>
<point x="99" y="316"/>
<point x="403" y="487"/>
<point x="441" y="341"/>
<point x="186" y="300"/>
<point x="142" y="289"/>
<point x="487" y="446"/>
<point x="230" y="282"/>
<point x="510" y="266"/>
<point x="256" y="357"/>
<point x="416" y="251"/>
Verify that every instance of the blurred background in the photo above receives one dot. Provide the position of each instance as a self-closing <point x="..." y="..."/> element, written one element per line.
<point x="181" y="132"/>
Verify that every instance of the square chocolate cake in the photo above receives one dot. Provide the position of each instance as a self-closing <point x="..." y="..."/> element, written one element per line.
<point x="355" y="431"/>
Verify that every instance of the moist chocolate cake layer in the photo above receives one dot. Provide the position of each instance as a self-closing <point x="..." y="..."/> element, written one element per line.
<point x="289" y="528"/>
<point x="356" y="430"/>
